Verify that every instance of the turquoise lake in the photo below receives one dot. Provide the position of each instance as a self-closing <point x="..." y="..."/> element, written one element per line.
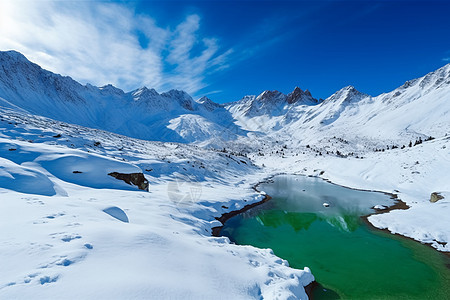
<point x="313" y="223"/>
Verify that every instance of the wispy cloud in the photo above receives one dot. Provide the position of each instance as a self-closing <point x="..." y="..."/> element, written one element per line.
<point x="446" y="59"/>
<point x="101" y="43"/>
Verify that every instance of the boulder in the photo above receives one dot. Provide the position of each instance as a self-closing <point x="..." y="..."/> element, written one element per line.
<point x="435" y="197"/>
<point x="136" y="179"/>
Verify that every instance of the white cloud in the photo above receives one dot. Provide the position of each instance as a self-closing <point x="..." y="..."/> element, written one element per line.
<point x="447" y="59"/>
<point x="99" y="43"/>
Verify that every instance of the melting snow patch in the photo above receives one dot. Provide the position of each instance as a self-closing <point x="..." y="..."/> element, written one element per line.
<point x="117" y="213"/>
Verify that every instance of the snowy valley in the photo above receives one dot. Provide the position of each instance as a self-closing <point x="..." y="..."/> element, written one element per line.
<point x="68" y="228"/>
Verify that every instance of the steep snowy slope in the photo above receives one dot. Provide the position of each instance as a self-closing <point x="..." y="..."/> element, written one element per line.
<point x="272" y="103"/>
<point x="143" y="113"/>
<point x="71" y="231"/>
<point x="267" y="112"/>
<point x="418" y="109"/>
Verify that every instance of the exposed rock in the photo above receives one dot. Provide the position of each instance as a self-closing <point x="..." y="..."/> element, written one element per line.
<point x="308" y="93"/>
<point x="136" y="179"/>
<point x="271" y="96"/>
<point x="295" y="95"/>
<point x="435" y="197"/>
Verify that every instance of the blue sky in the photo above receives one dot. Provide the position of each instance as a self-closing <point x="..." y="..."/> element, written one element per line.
<point x="228" y="49"/>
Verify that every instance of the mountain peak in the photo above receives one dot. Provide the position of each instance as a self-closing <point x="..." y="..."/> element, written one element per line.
<point x="13" y="60"/>
<point x="271" y="96"/>
<point x="17" y="56"/>
<point x="431" y="80"/>
<point x="203" y="99"/>
<point x="297" y="90"/>
<point x="308" y="93"/>
<point x="182" y="97"/>
<point x="208" y="103"/>
<point x="347" y="94"/>
<point x="144" y="92"/>
<point x="351" y="90"/>
<point x="109" y="88"/>
<point x="298" y="95"/>
<point x="436" y="78"/>
<point x="176" y="94"/>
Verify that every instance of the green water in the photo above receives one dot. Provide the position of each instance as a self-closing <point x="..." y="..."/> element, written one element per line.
<point x="348" y="258"/>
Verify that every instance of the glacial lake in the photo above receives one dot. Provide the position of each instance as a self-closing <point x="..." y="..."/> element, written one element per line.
<point x="349" y="259"/>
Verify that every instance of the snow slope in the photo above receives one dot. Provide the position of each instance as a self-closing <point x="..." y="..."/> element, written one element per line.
<point x="142" y="113"/>
<point x="87" y="235"/>
<point x="419" y="108"/>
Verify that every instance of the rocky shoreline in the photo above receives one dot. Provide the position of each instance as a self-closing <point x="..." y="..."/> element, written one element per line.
<point x="215" y="231"/>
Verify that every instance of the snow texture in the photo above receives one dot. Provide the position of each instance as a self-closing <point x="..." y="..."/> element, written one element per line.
<point x="70" y="229"/>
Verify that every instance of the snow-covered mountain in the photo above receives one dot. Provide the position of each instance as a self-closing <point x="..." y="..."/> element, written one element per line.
<point x="416" y="109"/>
<point x="69" y="228"/>
<point x="272" y="103"/>
<point x="142" y="113"/>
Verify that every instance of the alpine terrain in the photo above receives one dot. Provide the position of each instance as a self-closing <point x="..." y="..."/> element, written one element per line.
<point x="111" y="194"/>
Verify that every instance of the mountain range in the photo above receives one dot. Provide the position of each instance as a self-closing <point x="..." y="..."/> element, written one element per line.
<point x="75" y="223"/>
<point x="416" y="109"/>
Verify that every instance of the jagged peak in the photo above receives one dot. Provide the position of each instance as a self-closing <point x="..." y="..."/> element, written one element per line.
<point x="249" y="97"/>
<point x="246" y="99"/>
<point x="270" y="95"/>
<point x="183" y="98"/>
<point x="299" y="95"/>
<point x="297" y="90"/>
<point x="109" y="88"/>
<point x="347" y="93"/>
<point x="144" y="92"/>
<point x="350" y="89"/>
<point x="444" y="68"/>
<point x="436" y="78"/>
<point x="174" y="93"/>
<point x="432" y="79"/>
<point x="308" y="93"/>
<point x="208" y="103"/>
<point x="205" y="99"/>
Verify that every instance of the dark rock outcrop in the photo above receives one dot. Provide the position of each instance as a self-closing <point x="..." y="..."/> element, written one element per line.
<point x="136" y="179"/>
<point x="435" y="197"/>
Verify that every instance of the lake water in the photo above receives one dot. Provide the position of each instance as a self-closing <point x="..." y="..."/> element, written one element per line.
<point x="348" y="258"/>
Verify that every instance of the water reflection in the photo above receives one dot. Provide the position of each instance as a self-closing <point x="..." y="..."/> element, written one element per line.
<point x="350" y="259"/>
<point x="300" y="202"/>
